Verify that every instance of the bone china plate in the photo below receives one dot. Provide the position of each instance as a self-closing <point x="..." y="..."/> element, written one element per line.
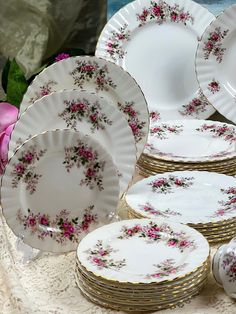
<point x="156" y="42"/>
<point x="58" y="186"/>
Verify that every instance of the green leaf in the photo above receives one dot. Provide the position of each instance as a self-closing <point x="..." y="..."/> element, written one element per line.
<point x="5" y="72"/>
<point x="17" y="84"/>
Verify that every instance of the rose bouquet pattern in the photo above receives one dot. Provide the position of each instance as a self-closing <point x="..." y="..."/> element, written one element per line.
<point x="161" y="131"/>
<point x="161" y="12"/>
<point x="166" y="185"/>
<point x="229" y="205"/>
<point x="134" y="120"/>
<point x="148" y="208"/>
<point x="85" y="156"/>
<point x="86" y="71"/>
<point x="79" y="110"/>
<point x="166" y="268"/>
<point x="229" y="264"/>
<point x="24" y="169"/>
<point x="61" y="228"/>
<point x="116" y="40"/>
<point x="214" y="86"/>
<point x="154" y="233"/>
<point x="44" y="90"/>
<point x="100" y="256"/>
<point x="228" y="133"/>
<point x="213" y="45"/>
<point x="195" y="106"/>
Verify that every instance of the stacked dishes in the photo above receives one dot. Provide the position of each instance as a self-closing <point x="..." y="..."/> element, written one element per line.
<point x="142" y="265"/>
<point x="203" y="200"/>
<point x="72" y="153"/>
<point x="189" y="145"/>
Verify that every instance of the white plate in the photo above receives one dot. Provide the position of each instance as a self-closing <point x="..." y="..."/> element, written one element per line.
<point x="185" y="196"/>
<point x="100" y="76"/>
<point x="57" y="187"/>
<point x="143" y="251"/>
<point x="191" y="140"/>
<point x="156" y="42"/>
<point x="86" y="112"/>
<point x="215" y="63"/>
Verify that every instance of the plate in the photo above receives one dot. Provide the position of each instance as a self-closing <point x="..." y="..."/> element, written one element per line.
<point x="185" y="197"/>
<point x="142" y="251"/>
<point x="156" y="42"/>
<point x="86" y="112"/>
<point x="58" y="186"/>
<point x="215" y="63"/>
<point x="100" y="76"/>
<point x="191" y="141"/>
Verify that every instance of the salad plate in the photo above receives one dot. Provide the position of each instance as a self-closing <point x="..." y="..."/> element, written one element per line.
<point x="126" y="251"/>
<point x="58" y="186"/>
<point x="189" y="197"/>
<point x="86" y="112"/>
<point x="191" y="141"/>
<point x="156" y="42"/>
<point x="102" y="77"/>
<point x="215" y="63"/>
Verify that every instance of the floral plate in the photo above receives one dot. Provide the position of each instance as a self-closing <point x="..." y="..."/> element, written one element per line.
<point x="58" y="186"/>
<point x="142" y="251"/>
<point x="156" y="42"/>
<point x="191" y="141"/>
<point x="215" y="60"/>
<point x="86" y="112"/>
<point x="100" y="76"/>
<point x="185" y="197"/>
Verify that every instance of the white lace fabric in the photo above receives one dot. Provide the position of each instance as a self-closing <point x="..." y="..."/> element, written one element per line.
<point x="46" y="285"/>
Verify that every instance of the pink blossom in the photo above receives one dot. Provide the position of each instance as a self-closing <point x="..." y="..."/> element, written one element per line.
<point x="93" y="117"/>
<point x="134" y="127"/>
<point x="233" y="268"/>
<point x="157" y="11"/>
<point x="151" y="234"/>
<point x="220" y="212"/>
<point x="98" y="261"/>
<point x="102" y="252"/>
<point x="172" y="242"/>
<point x="62" y="56"/>
<point x="90" y="173"/>
<point x="184" y="243"/>
<point x="44" y="221"/>
<point x="156" y="129"/>
<point x="159" y="183"/>
<point x="100" y="80"/>
<point x="183" y="16"/>
<point x="191" y="108"/>
<point x="68" y="229"/>
<point x="178" y="182"/>
<point x="44" y="92"/>
<point x="8" y="114"/>
<point x="29" y="157"/>
<point x="85" y="226"/>
<point x="31" y="221"/>
<point x="215" y="36"/>
<point x="209" y="45"/>
<point x="74" y="107"/>
<point x="20" y="168"/>
<point x="130" y="231"/>
<point x="158" y="275"/>
<point x="87" y="68"/>
<point x="173" y="16"/>
<point x="196" y="102"/>
<point x="233" y="200"/>
<point x="121" y="36"/>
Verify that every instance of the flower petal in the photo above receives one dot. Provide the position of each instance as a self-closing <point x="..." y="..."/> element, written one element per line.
<point x="8" y="115"/>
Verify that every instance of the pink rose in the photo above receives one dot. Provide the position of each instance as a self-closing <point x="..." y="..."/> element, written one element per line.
<point x="8" y="117"/>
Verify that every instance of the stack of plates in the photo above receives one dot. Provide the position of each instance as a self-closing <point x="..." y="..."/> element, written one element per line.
<point x="205" y="201"/>
<point x="142" y="265"/>
<point x="189" y="145"/>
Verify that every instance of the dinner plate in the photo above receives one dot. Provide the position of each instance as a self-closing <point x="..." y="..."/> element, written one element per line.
<point x="58" y="186"/>
<point x="86" y="112"/>
<point x="215" y="63"/>
<point x="156" y="42"/>
<point x="185" y="197"/>
<point x="142" y="251"/>
<point x="100" y="76"/>
<point x="191" y="141"/>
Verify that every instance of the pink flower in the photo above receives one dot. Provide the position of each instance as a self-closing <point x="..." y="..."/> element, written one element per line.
<point x="134" y="127"/>
<point x="173" y="16"/>
<point x="159" y="183"/>
<point x="62" y="56"/>
<point x="44" y="221"/>
<point x="184" y="243"/>
<point x="209" y="45"/>
<point x="178" y="182"/>
<point x="20" y="168"/>
<point x="98" y="261"/>
<point x="29" y="157"/>
<point x="233" y="268"/>
<point x="8" y="114"/>
<point x="158" y="275"/>
<point x="93" y="117"/>
<point x="220" y="212"/>
<point x="100" y="80"/>
<point x="90" y="173"/>
<point x="31" y="221"/>
<point x="68" y="229"/>
<point x="157" y="11"/>
<point x="172" y="242"/>
<point x="121" y="36"/>
<point x="215" y="36"/>
<point x="87" y="68"/>
<point x="74" y="107"/>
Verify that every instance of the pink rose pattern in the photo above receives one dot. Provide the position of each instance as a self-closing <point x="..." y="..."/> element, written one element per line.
<point x="79" y="110"/>
<point x="66" y="228"/>
<point x="227" y="206"/>
<point x="166" y="185"/>
<point x="152" y="150"/>
<point x="86" y="71"/>
<point x="148" y="208"/>
<point x="154" y="232"/>
<point x="228" y="133"/>
<point x="44" y="90"/>
<point x="115" y="42"/>
<point x="161" y="12"/>
<point x="195" y="106"/>
<point x="24" y="169"/>
<point x="87" y="157"/>
<point x="100" y="257"/>
<point x="166" y="268"/>
<point x="214" y="86"/>
<point x="134" y="119"/>
<point x="161" y="131"/>
<point x="154" y="116"/>
<point x="213" y="44"/>
<point x="229" y="264"/>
